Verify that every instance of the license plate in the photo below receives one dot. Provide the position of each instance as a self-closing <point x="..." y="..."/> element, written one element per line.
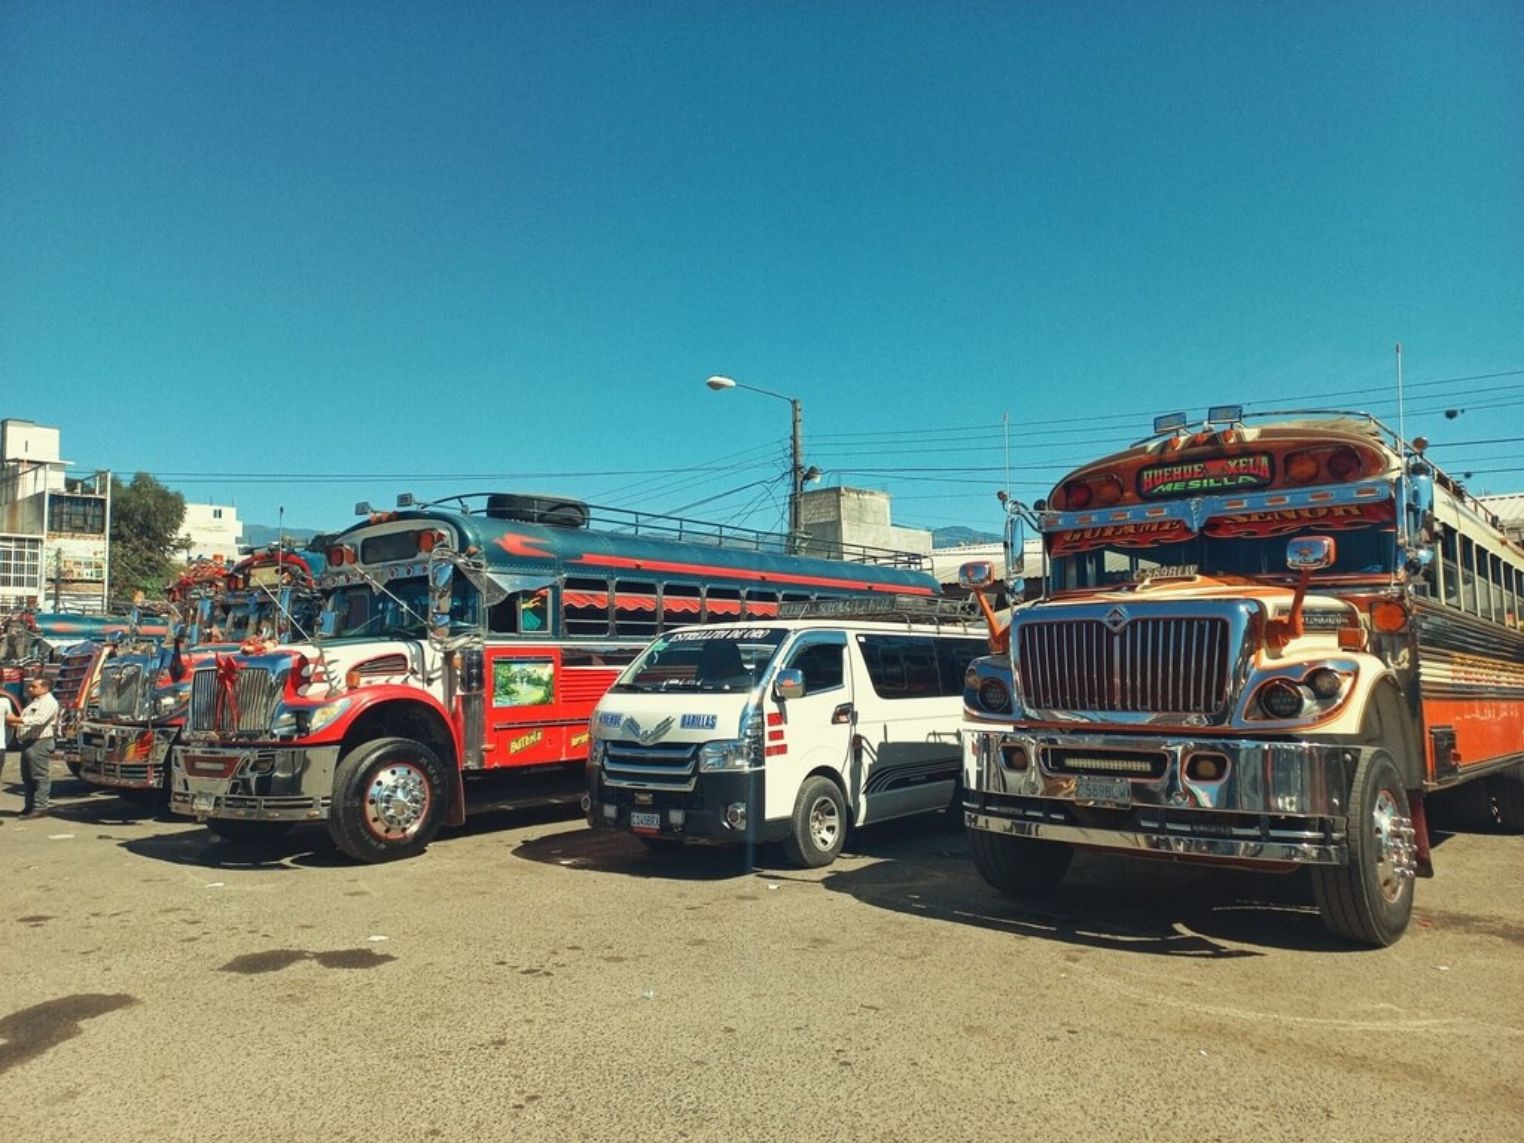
<point x="1103" y="791"/>
<point x="639" y="820"/>
<point x="202" y="803"/>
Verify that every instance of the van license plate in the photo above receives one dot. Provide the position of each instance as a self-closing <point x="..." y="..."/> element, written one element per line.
<point x="202" y="803"/>
<point x="645" y="821"/>
<point x="1104" y="791"/>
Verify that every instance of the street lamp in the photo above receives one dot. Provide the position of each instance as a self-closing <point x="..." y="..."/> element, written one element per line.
<point x="797" y="473"/>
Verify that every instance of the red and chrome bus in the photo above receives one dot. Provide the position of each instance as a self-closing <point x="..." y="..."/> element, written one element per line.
<point x="1266" y="641"/>
<point x="464" y="638"/>
<point x="123" y="743"/>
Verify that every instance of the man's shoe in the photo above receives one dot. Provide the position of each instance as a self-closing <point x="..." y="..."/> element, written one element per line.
<point x="30" y="815"/>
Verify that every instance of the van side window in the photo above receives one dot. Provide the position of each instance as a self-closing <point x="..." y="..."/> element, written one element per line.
<point x="901" y="666"/>
<point x="918" y="666"/>
<point x="821" y="664"/>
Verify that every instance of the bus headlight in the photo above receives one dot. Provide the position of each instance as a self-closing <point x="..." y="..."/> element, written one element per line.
<point x="323" y="715"/>
<point x="1281" y="699"/>
<point x="725" y="754"/>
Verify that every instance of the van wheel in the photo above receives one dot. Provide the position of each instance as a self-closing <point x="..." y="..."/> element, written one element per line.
<point x="820" y="824"/>
<point x="1369" y="899"/>
<point x="1507" y="790"/>
<point x="1019" y="866"/>
<point x="388" y="800"/>
<point x="241" y="832"/>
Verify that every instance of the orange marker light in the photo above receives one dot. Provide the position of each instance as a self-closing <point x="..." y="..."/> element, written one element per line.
<point x="1389" y="617"/>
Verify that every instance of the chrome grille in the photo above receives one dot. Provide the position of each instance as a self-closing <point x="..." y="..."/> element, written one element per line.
<point x="670" y="767"/>
<point x="255" y="693"/>
<point x="1163" y="665"/>
<point x="124" y="689"/>
<point x="73" y="672"/>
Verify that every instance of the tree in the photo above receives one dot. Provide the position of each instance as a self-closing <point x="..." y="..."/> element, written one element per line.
<point x="145" y="535"/>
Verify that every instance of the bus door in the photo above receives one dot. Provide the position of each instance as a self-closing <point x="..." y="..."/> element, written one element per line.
<point x="527" y="721"/>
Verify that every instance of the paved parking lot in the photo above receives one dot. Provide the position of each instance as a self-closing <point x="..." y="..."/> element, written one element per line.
<point x="528" y="978"/>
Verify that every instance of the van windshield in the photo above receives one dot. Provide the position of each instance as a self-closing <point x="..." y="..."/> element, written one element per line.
<point x="728" y="659"/>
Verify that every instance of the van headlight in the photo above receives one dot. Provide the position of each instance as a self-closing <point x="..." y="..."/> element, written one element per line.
<point x="725" y="754"/>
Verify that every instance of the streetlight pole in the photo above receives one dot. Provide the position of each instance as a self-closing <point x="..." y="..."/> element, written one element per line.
<point x="796" y="456"/>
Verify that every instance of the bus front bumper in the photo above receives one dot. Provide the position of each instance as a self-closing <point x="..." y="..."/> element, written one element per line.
<point x="254" y="783"/>
<point x="1261" y="802"/>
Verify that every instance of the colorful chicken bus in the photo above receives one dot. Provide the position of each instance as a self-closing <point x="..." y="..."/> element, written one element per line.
<point x="1261" y="642"/>
<point x="69" y="648"/>
<point x="465" y="637"/>
<point x="123" y="743"/>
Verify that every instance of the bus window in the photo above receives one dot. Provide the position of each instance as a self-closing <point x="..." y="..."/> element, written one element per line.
<point x="635" y="608"/>
<point x="1449" y="566"/>
<point x="585" y="606"/>
<point x="722" y="603"/>
<point x="680" y="605"/>
<point x="1468" y="575"/>
<point x="762" y="604"/>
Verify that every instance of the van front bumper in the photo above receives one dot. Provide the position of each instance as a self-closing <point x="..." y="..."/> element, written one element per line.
<point x="723" y="808"/>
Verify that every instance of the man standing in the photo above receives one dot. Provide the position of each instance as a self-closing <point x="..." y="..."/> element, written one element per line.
<point x="34" y="734"/>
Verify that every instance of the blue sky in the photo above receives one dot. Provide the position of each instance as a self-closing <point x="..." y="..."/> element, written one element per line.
<point x="297" y="255"/>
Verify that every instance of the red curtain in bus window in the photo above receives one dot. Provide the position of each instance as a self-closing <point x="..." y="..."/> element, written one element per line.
<point x="679" y="609"/>
<point x="626" y="601"/>
<point x="761" y="607"/>
<point x="598" y="599"/>
<point x="724" y="606"/>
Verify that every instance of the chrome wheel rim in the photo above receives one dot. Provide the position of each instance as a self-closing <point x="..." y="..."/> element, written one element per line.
<point x="825" y="823"/>
<point x="397" y="801"/>
<point x="1396" y="851"/>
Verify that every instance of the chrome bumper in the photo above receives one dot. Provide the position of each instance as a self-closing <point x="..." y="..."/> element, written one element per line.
<point x="1277" y="802"/>
<point x="256" y="783"/>
<point x="128" y="757"/>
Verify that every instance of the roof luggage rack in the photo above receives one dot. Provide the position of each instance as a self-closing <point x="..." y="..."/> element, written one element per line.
<point x="909" y="608"/>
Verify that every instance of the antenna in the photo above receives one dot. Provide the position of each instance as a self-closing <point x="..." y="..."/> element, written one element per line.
<point x="280" y="540"/>
<point x="1402" y="432"/>
<point x="1006" y="420"/>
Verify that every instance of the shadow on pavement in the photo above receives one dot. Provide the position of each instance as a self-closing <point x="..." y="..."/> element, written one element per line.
<point x="304" y="847"/>
<point x="1122" y="903"/>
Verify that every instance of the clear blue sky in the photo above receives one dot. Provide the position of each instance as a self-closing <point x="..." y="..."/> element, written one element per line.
<point x="303" y="254"/>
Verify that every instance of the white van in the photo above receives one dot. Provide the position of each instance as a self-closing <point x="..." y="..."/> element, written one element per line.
<point x="786" y="730"/>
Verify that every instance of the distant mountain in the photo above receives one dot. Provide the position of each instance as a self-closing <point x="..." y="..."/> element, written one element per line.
<point x="957" y="534"/>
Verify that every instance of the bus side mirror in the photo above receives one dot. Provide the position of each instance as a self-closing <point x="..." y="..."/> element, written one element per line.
<point x="788" y="683"/>
<point x="1310" y="553"/>
<point x="976" y="574"/>
<point x="328" y="623"/>
<point x="441" y="581"/>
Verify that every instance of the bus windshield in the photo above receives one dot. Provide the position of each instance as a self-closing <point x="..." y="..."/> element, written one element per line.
<point x="730" y="659"/>
<point x="360" y="609"/>
<point x="1089" y="562"/>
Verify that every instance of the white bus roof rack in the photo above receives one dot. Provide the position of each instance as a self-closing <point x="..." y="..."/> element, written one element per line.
<point x="887" y="608"/>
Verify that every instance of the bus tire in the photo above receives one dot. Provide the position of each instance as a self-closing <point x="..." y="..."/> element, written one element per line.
<point x="1019" y="866"/>
<point x="241" y="832"/>
<point x="819" y="828"/>
<point x="1508" y="798"/>
<point x="1369" y="899"/>
<point x="74" y="766"/>
<point x="389" y="800"/>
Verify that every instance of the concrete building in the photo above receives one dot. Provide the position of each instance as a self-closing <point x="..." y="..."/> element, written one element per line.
<point x="54" y="526"/>
<point x="836" y="520"/>
<point x="213" y="531"/>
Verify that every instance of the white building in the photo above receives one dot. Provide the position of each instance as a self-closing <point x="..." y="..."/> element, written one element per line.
<point x="213" y="531"/>
<point x="54" y="527"/>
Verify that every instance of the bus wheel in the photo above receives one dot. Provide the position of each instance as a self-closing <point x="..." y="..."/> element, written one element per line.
<point x="241" y="832"/>
<point x="1508" y="798"/>
<point x="820" y="824"/>
<point x="74" y="766"/>
<point x="1019" y="866"/>
<point x="388" y="800"/>
<point x="1369" y="899"/>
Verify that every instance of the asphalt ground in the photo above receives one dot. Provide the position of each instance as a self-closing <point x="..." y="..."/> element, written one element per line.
<point x="527" y="978"/>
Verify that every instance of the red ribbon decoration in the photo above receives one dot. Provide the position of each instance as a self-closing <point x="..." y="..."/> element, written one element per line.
<point x="225" y="709"/>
